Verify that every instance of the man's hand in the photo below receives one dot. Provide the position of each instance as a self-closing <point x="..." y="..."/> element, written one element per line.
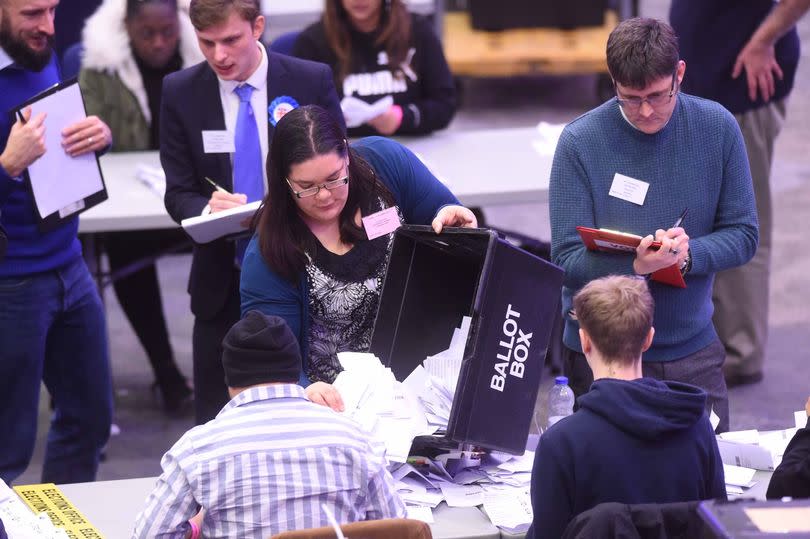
<point x="87" y="135"/>
<point x="454" y="216"/>
<point x="325" y="395"/>
<point x="388" y="122"/>
<point x="220" y="200"/>
<point x="26" y="143"/>
<point x="759" y="62"/>
<point x="674" y="249"/>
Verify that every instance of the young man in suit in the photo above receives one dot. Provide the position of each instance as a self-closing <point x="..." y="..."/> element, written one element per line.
<point x="217" y="121"/>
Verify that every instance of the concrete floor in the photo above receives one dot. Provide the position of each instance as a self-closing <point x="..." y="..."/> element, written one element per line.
<point x="146" y="433"/>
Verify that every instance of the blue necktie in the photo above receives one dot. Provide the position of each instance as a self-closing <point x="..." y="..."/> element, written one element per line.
<point x="247" y="158"/>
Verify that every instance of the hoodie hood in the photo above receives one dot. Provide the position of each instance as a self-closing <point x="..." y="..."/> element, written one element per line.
<point x="645" y="408"/>
<point x="107" y="49"/>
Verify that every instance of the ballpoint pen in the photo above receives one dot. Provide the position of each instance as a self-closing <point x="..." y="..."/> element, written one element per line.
<point x="678" y="223"/>
<point x="215" y="185"/>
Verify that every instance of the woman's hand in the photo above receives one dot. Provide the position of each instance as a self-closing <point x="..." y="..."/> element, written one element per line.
<point x="454" y="216"/>
<point x="325" y="395"/>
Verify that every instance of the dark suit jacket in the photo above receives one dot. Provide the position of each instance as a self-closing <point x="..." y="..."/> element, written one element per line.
<point x="190" y="105"/>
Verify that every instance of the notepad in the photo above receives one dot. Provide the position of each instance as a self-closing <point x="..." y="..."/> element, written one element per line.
<point x="210" y="227"/>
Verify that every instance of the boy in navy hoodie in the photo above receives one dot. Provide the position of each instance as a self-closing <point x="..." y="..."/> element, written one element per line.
<point x="633" y="439"/>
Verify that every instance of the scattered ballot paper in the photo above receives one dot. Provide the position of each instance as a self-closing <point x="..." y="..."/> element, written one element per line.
<point x="356" y="112"/>
<point x="801" y="419"/>
<point x="739" y="476"/>
<point x="548" y="135"/>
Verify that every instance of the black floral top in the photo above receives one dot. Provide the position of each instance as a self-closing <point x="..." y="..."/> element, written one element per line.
<point x="344" y="293"/>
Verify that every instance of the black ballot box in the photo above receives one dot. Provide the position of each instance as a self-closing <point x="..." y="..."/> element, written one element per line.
<point x="512" y="298"/>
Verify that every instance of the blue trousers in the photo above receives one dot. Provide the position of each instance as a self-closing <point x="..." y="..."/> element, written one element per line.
<point x="52" y="329"/>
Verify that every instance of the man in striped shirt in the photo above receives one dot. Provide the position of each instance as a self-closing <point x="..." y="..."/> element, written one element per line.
<point x="271" y="457"/>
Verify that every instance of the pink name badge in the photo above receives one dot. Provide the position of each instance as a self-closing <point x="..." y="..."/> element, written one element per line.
<point x="381" y="223"/>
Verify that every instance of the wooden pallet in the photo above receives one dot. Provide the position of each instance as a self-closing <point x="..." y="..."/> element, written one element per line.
<point x="477" y="53"/>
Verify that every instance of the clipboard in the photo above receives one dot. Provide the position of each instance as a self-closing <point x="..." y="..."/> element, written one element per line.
<point x="52" y="205"/>
<point x="612" y="241"/>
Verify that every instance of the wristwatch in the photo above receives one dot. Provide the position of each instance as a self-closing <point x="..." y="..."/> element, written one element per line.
<point x="686" y="265"/>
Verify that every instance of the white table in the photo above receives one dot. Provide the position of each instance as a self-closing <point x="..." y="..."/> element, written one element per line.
<point x="482" y="168"/>
<point x="111" y="506"/>
<point x="487" y="167"/>
<point x="132" y="205"/>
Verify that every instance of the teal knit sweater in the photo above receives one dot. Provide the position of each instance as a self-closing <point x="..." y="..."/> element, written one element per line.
<point x="696" y="161"/>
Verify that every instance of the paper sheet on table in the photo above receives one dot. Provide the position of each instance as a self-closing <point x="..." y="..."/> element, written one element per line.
<point x="356" y="112"/>
<point x="738" y="475"/>
<point x="800" y="418"/>
<point x="152" y="177"/>
<point x="57" y="179"/>
<point x="462" y="495"/>
<point x="420" y="512"/>
<point x="548" y="135"/>
<point x="510" y="509"/>
<point x="207" y="228"/>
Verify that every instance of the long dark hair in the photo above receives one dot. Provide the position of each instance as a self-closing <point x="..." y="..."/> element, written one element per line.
<point x="284" y="238"/>
<point x="394" y="33"/>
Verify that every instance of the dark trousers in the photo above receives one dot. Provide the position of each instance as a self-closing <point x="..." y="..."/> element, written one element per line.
<point x="139" y="296"/>
<point x="703" y="369"/>
<point x="52" y="329"/>
<point x="210" y="391"/>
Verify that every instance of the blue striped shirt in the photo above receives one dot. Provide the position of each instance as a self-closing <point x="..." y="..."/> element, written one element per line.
<point x="264" y="465"/>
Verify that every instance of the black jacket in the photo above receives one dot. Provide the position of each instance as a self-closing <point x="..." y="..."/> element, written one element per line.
<point x="190" y="105"/>
<point x="792" y="476"/>
<point x="422" y="85"/>
<point x="643" y="521"/>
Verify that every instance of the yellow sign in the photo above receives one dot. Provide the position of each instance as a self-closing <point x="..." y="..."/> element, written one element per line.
<point x="49" y="499"/>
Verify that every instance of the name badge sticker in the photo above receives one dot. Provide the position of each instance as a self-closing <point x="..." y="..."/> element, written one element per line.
<point x="381" y="223"/>
<point x="629" y="189"/>
<point x="218" y="141"/>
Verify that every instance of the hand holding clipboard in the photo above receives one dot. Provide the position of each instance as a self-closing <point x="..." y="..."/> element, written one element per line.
<point x="661" y="256"/>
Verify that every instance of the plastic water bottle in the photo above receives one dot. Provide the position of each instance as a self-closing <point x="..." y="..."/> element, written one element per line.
<point x="560" y="400"/>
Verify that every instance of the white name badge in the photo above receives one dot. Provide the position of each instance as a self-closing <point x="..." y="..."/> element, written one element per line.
<point x="219" y="141"/>
<point x="629" y="189"/>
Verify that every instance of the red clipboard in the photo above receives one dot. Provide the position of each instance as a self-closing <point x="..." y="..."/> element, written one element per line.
<point x="612" y="241"/>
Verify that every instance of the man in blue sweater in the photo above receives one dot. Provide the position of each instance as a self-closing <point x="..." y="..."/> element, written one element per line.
<point x="635" y="164"/>
<point x="52" y="326"/>
<point x="748" y="68"/>
<point x="633" y="439"/>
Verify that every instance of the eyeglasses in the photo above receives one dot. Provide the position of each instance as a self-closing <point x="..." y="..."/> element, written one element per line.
<point x="312" y="191"/>
<point x="633" y="103"/>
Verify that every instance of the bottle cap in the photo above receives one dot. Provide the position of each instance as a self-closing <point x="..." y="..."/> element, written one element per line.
<point x="561" y="380"/>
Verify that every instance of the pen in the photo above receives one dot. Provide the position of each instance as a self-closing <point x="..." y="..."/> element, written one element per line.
<point x="216" y="185"/>
<point x="679" y="220"/>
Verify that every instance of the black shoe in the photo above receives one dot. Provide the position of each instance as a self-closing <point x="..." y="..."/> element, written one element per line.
<point x="736" y="380"/>
<point x="176" y="396"/>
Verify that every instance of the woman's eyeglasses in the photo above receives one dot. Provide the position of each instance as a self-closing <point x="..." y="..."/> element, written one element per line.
<point x="312" y="191"/>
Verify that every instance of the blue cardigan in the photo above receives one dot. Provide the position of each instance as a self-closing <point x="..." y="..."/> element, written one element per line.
<point x="696" y="161"/>
<point x="418" y="194"/>
<point x="29" y="250"/>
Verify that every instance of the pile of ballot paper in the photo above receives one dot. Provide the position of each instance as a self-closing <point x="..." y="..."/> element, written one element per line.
<point x="21" y="523"/>
<point x="153" y="177"/>
<point x="393" y="413"/>
<point x="497" y="482"/>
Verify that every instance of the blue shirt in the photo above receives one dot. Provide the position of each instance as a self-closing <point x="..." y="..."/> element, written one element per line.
<point x="697" y="161"/>
<point x="265" y="465"/>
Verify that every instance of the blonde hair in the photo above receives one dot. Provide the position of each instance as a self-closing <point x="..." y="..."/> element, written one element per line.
<point x="617" y="313"/>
